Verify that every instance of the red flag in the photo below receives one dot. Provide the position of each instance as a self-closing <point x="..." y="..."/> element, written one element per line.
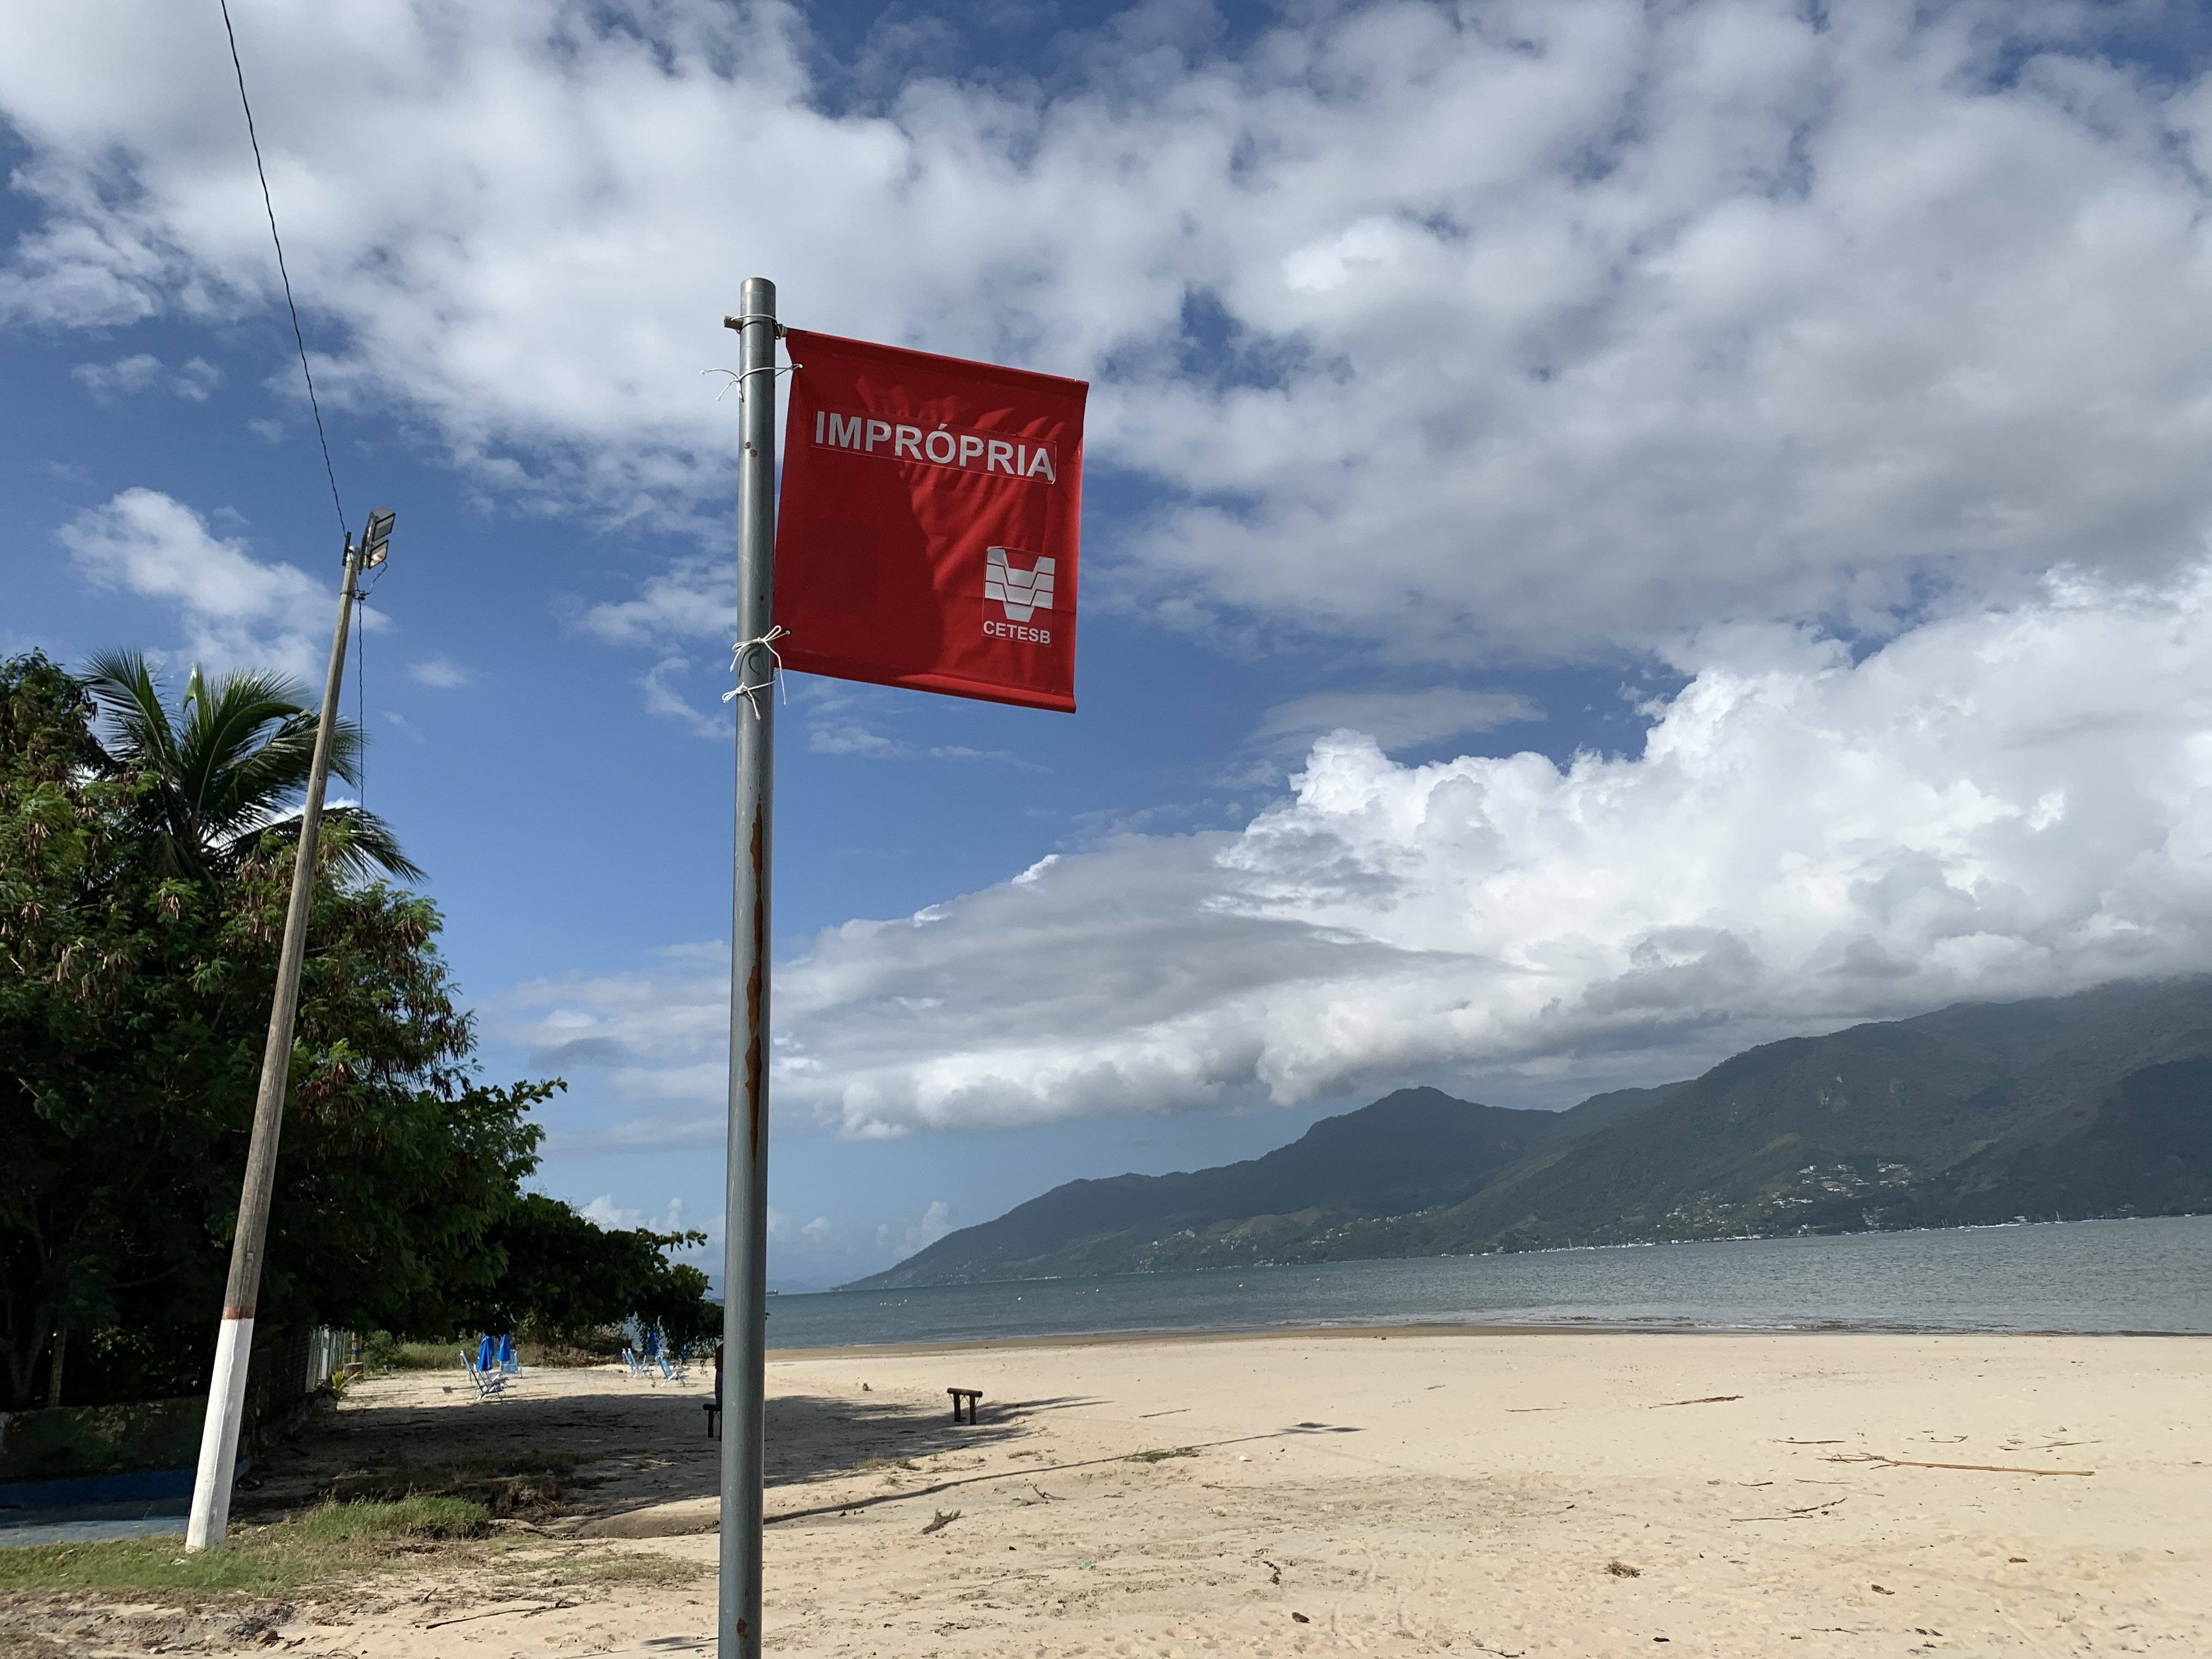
<point x="925" y="535"/>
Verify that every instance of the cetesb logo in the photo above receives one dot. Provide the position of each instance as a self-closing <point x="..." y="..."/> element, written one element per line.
<point x="1020" y="593"/>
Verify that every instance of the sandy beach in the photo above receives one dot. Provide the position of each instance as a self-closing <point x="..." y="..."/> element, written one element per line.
<point x="1407" y="1491"/>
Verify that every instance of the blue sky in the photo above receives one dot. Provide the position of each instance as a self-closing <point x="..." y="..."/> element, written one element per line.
<point x="1613" y="534"/>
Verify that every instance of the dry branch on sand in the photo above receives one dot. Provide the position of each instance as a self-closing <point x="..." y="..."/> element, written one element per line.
<point x="1978" y="1468"/>
<point x="1792" y="1515"/>
<point x="517" y="1609"/>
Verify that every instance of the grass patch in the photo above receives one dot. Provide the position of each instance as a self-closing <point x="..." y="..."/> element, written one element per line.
<point x="521" y="1484"/>
<point x="333" y="1540"/>
<point x="381" y="1353"/>
<point x="1161" y="1456"/>
<point x="405" y="1520"/>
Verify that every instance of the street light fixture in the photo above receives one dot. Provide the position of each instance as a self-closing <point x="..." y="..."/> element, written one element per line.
<point x="376" y="539"/>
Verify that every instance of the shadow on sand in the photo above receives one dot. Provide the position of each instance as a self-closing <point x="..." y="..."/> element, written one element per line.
<point x="604" y="1453"/>
<point x="609" y="1453"/>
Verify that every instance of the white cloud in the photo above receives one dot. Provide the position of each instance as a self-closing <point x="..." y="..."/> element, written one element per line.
<point x="196" y="381"/>
<point x="1395" y="720"/>
<point x="143" y="372"/>
<point x="2010" y="801"/>
<point x="662" y="698"/>
<point x="844" y="718"/>
<point x="828" y="1251"/>
<point x="606" y="1212"/>
<point x="439" y="673"/>
<point x="897" y="1244"/>
<point x="1523" y="326"/>
<point x="848" y="738"/>
<point x="855" y="740"/>
<point x="236" y="611"/>
<point x="1524" y="329"/>
<point x="936" y="1222"/>
<point x="615" y="1216"/>
<point x="122" y="378"/>
<point x="695" y="600"/>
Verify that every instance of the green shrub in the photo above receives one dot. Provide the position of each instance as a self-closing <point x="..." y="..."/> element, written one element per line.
<point x="381" y="1351"/>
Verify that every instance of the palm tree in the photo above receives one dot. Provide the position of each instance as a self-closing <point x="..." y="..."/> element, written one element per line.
<point x="228" y="764"/>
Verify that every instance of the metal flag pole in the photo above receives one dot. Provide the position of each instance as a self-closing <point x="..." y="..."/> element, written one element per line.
<point x="233" y="1346"/>
<point x="744" y="1227"/>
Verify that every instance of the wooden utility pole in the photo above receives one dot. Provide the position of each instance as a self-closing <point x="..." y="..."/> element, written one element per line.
<point x="233" y="1348"/>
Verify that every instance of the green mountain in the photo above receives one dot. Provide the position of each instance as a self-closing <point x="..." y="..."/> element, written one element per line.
<point x="2099" y="1103"/>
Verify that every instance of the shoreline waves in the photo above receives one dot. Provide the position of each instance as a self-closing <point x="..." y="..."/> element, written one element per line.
<point x="2144" y="1277"/>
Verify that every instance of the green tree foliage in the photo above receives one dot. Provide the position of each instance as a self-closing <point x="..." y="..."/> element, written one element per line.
<point x="137" y="961"/>
<point x="567" y="1276"/>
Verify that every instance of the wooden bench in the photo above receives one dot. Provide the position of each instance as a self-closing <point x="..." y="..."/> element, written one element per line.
<point x="974" y="1397"/>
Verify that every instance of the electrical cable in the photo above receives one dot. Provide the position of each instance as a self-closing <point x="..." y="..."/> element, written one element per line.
<point x="360" y="698"/>
<point x="361" y="676"/>
<point x="299" y="338"/>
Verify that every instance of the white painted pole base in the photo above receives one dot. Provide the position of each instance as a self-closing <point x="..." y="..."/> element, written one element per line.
<point x="211" y="1520"/>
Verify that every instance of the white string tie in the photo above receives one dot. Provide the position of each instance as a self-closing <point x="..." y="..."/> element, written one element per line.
<point x="738" y="377"/>
<point x="744" y="649"/>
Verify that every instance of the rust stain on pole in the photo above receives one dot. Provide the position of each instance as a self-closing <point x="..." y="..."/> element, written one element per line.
<point x="755" y="1037"/>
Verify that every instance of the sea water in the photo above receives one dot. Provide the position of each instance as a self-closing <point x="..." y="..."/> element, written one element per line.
<point x="2152" y="1275"/>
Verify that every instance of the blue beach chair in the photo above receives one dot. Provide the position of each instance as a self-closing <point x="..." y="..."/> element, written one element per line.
<point x="508" y="1362"/>
<point x="490" y="1383"/>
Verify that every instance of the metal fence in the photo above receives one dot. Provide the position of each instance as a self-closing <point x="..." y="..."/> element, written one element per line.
<point x="289" y="1371"/>
<point x="328" y="1351"/>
